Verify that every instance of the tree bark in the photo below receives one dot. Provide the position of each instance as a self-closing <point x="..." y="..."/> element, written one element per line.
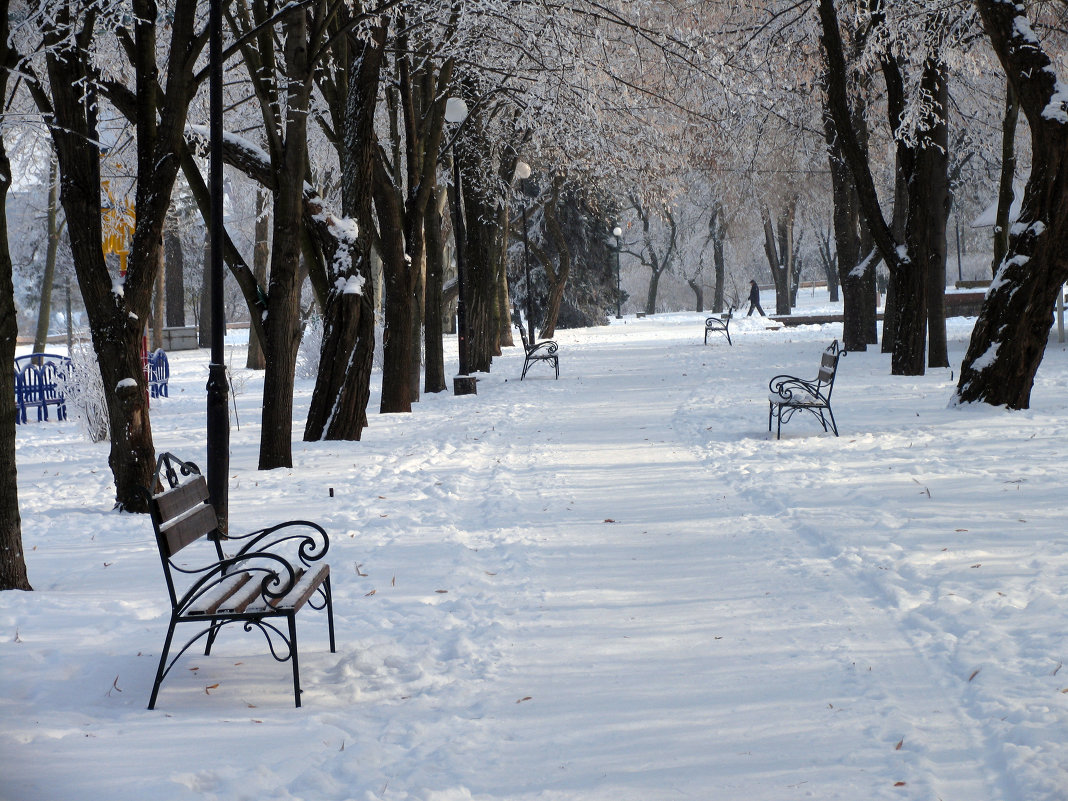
<point x="282" y="321"/>
<point x="777" y="251"/>
<point x="174" y="282"/>
<point x="338" y="408"/>
<point x="13" y="575"/>
<point x="933" y="201"/>
<point x="434" y="370"/>
<point x="558" y="276"/>
<point x="44" y="309"/>
<point x="1010" y="334"/>
<point x="907" y="280"/>
<point x="1008" y="175"/>
<point x="261" y="258"/>
<point x="117" y="320"/>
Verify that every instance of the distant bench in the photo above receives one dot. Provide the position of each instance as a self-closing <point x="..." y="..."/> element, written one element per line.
<point x="38" y="385"/>
<point x="544" y="351"/>
<point x="157" y="373"/>
<point x="720" y="325"/>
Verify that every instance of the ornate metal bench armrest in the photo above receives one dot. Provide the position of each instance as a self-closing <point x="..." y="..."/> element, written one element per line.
<point x="547" y="347"/>
<point x="787" y="386"/>
<point x="309" y="540"/>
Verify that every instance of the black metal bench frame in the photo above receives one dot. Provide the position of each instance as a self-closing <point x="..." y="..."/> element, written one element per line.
<point x="270" y="576"/>
<point x="720" y="325"/>
<point x="544" y="351"/>
<point x="790" y="394"/>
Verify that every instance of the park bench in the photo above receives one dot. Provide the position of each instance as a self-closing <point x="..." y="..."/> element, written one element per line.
<point x="790" y="394"/>
<point x="720" y="325"/>
<point x="544" y="351"/>
<point x="271" y="574"/>
<point x="38" y="385"/>
<point x="157" y="373"/>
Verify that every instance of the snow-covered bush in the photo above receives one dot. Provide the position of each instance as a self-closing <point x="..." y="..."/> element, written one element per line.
<point x="83" y="390"/>
<point x="311" y="346"/>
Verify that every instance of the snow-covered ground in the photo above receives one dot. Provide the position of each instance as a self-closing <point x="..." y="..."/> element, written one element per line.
<point x="612" y="587"/>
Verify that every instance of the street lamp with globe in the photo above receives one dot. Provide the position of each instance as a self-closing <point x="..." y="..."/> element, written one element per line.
<point x="522" y="172"/>
<point x="462" y="384"/>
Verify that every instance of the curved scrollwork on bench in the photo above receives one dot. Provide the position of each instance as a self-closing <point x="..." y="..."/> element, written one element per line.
<point x="274" y="572"/>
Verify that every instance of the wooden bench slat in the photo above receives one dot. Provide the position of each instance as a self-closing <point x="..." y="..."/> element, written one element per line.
<point x="241" y="601"/>
<point x="209" y="604"/>
<point x="181" y="531"/>
<point x="303" y="589"/>
<point x="182" y="498"/>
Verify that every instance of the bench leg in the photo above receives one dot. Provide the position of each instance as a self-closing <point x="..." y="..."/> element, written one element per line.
<point x="834" y="425"/>
<point x="212" y="634"/>
<point x="329" y="612"/>
<point x="162" y="665"/>
<point x="293" y="655"/>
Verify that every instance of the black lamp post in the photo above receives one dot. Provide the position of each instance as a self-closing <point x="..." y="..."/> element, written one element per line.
<point x="617" y="232"/>
<point x="218" y="416"/>
<point x="462" y="384"/>
<point x="522" y="172"/>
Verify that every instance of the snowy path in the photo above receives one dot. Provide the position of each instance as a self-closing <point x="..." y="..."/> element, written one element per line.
<point x="677" y="630"/>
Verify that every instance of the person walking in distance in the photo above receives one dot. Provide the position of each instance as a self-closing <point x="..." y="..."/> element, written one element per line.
<point x="754" y="298"/>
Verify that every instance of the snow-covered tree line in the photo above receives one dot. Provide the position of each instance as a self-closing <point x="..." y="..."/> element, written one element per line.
<point x="726" y="140"/>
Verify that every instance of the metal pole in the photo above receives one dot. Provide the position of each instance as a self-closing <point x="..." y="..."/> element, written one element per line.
<point x="530" y="295"/>
<point x="462" y="384"/>
<point x="960" y="275"/>
<point x="218" y="418"/>
<point x="619" y="292"/>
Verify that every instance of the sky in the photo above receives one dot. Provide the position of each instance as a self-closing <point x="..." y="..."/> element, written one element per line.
<point x="613" y="586"/>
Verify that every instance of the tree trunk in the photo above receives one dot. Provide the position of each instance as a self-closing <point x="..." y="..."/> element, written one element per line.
<point x="698" y="294"/>
<point x="156" y="340"/>
<point x="339" y="403"/>
<point x="44" y="309"/>
<point x="204" y="297"/>
<point x="717" y="229"/>
<point x="117" y="320"/>
<point x="932" y="184"/>
<point x="557" y="277"/>
<point x="907" y="278"/>
<point x="780" y="272"/>
<point x="13" y="575"/>
<point x="1008" y="174"/>
<point x="434" y="370"/>
<point x="485" y="229"/>
<point x="397" y="336"/>
<point x="174" y="271"/>
<point x="1010" y="334"/>
<point x="855" y="267"/>
<point x="261" y="258"/>
<point x="282" y="324"/>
